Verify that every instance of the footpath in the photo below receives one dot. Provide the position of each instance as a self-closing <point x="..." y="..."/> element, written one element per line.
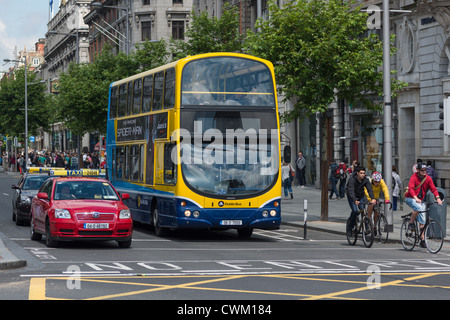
<point x="292" y="213"/>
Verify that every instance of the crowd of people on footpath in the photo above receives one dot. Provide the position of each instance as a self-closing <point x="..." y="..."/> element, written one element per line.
<point x="61" y="159"/>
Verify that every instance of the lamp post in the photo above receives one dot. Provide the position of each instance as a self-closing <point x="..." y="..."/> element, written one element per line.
<point x="98" y="6"/>
<point x="26" y="101"/>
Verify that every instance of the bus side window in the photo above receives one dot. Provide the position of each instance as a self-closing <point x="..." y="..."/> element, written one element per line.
<point x="158" y="91"/>
<point x="134" y="162"/>
<point x="169" y="89"/>
<point x="169" y="165"/>
<point x="130" y="97"/>
<point x="113" y="103"/>
<point x="126" y="165"/>
<point x="137" y="96"/>
<point x="141" y="162"/>
<point x="148" y="94"/>
<point x="122" y="100"/>
<point x="119" y="163"/>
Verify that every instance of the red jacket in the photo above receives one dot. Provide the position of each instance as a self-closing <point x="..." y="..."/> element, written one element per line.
<point x="415" y="181"/>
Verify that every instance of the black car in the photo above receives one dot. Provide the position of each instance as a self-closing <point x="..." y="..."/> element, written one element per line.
<point x="24" y="191"/>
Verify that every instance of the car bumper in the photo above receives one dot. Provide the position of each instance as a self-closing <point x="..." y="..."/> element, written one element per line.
<point x="69" y="231"/>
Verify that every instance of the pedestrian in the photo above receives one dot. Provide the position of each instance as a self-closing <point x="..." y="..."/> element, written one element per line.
<point x="333" y="177"/>
<point x="74" y="162"/>
<point x="343" y="169"/>
<point x="59" y="162"/>
<point x="286" y="174"/>
<point x="431" y="172"/>
<point x="396" y="187"/>
<point x="301" y="167"/>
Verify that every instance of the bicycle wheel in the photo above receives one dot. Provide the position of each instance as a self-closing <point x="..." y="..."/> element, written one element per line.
<point x="382" y="229"/>
<point x="367" y="232"/>
<point x="408" y="237"/>
<point x="434" y="236"/>
<point x="352" y="235"/>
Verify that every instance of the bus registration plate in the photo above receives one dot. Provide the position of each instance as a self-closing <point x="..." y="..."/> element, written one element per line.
<point x="231" y="222"/>
<point x="96" y="226"/>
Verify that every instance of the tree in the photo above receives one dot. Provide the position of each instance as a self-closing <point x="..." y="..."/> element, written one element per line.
<point x="12" y="104"/>
<point x="320" y="53"/>
<point x="211" y="34"/>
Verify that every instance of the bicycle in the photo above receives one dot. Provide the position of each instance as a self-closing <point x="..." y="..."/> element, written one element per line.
<point x="365" y="228"/>
<point x="434" y="235"/>
<point x="381" y="227"/>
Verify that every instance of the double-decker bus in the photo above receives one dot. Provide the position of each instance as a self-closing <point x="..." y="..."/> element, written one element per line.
<point x="196" y="144"/>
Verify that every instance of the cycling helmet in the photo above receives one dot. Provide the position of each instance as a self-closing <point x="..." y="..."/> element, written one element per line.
<point x="376" y="176"/>
<point x="421" y="165"/>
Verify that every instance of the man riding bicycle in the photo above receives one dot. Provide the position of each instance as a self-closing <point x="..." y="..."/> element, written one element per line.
<point x="355" y="193"/>
<point x="419" y="184"/>
<point x="378" y="186"/>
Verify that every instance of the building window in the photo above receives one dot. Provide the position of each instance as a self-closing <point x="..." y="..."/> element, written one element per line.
<point x="146" y="29"/>
<point x="178" y="30"/>
<point x="177" y="2"/>
<point x="145" y="2"/>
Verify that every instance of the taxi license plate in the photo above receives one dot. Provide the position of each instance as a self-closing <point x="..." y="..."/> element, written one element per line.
<point x="231" y="222"/>
<point x="96" y="226"/>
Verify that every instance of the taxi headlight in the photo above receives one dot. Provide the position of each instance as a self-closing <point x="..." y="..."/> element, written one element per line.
<point x="62" y="214"/>
<point x="125" y="214"/>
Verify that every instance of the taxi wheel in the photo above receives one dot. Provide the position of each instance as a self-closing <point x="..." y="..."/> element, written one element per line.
<point x="33" y="234"/>
<point x="49" y="241"/>
<point x="124" y="244"/>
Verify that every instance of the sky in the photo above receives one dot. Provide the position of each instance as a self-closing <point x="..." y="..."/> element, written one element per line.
<point x="22" y="23"/>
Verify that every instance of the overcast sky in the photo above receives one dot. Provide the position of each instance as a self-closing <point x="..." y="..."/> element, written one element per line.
<point x="22" y="23"/>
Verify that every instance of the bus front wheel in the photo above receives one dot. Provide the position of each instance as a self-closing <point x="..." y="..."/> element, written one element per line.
<point x="159" y="231"/>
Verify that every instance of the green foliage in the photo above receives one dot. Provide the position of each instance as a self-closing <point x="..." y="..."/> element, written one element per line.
<point x="83" y="100"/>
<point x="320" y="53"/>
<point x="12" y="104"/>
<point x="211" y="34"/>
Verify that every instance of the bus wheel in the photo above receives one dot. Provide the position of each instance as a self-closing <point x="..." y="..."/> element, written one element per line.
<point x="159" y="231"/>
<point x="245" y="233"/>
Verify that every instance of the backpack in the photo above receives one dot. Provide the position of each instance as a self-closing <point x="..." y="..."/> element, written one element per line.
<point x="342" y="171"/>
<point x="335" y="170"/>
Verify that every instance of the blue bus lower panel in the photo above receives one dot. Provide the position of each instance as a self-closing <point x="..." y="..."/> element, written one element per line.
<point x="172" y="213"/>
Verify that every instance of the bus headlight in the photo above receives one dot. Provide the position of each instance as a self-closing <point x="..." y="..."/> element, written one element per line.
<point x="187" y="213"/>
<point x="265" y="213"/>
<point x="273" y="213"/>
<point x="196" y="213"/>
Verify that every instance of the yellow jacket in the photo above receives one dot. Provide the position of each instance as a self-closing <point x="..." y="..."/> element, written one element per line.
<point x="377" y="189"/>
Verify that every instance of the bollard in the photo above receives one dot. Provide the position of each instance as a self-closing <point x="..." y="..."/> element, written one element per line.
<point x="305" y="218"/>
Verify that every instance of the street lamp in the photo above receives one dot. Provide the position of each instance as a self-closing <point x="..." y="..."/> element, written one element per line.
<point x="26" y="101"/>
<point x="98" y="6"/>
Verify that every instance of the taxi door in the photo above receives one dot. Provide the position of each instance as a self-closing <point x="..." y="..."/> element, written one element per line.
<point x="42" y="206"/>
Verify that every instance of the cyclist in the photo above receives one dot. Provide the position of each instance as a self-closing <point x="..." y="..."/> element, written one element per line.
<point x="419" y="184"/>
<point x="378" y="186"/>
<point x="355" y="193"/>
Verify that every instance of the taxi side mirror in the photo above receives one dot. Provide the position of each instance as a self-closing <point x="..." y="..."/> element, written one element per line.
<point x="125" y="196"/>
<point x="42" y="195"/>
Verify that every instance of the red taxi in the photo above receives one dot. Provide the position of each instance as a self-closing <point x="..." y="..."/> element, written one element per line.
<point x="80" y="208"/>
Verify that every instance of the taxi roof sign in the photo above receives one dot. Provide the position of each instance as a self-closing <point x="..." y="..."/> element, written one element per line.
<point x="61" y="172"/>
<point x="42" y="169"/>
